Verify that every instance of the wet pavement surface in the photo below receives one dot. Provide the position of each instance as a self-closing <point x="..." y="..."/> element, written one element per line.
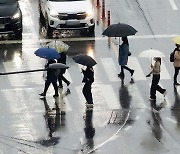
<point x="122" y="120"/>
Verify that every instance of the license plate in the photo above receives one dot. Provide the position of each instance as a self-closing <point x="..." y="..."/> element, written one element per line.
<point x="2" y="26"/>
<point x="71" y="23"/>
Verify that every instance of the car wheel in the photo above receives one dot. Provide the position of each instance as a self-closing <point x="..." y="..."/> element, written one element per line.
<point x="18" y="35"/>
<point x="91" y="30"/>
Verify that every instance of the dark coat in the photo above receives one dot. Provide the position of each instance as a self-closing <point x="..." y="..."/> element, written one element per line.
<point x="62" y="60"/>
<point x="88" y="75"/>
<point x="51" y="73"/>
<point x="123" y="54"/>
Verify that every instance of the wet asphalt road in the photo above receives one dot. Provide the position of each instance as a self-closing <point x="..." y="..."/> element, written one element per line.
<point x="122" y="120"/>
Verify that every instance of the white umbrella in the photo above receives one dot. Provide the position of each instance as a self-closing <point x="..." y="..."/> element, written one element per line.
<point x="58" y="45"/>
<point x="150" y="53"/>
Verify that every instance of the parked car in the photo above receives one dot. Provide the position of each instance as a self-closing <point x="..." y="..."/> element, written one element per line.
<point x="67" y="15"/>
<point x="10" y="18"/>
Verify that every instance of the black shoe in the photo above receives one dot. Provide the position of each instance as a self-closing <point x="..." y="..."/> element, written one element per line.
<point x="68" y="91"/>
<point x="132" y="72"/>
<point x="68" y="83"/>
<point x="121" y="75"/>
<point x="55" y="95"/>
<point x="42" y="94"/>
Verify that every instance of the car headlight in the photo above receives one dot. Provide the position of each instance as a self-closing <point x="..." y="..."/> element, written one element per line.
<point x="89" y="13"/>
<point x="53" y="14"/>
<point x="17" y="15"/>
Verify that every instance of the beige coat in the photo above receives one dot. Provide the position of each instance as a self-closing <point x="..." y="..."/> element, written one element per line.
<point x="156" y="69"/>
<point x="177" y="59"/>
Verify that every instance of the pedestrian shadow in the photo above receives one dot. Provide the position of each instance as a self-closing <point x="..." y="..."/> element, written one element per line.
<point x="52" y="116"/>
<point x="155" y="122"/>
<point x="89" y="130"/>
<point x="55" y="119"/>
<point x="126" y="114"/>
<point x="124" y="96"/>
<point x="175" y="109"/>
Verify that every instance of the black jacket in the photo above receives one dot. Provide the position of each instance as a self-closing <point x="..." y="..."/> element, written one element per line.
<point x="88" y="75"/>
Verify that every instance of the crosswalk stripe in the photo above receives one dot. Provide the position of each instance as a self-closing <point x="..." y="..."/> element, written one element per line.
<point x="67" y="76"/>
<point x="64" y="104"/>
<point x="110" y="97"/>
<point x="164" y="71"/>
<point x="80" y="95"/>
<point x="134" y="92"/>
<point x="171" y="120"/>
<point x="134" y="64"/>
<point x="110" y="68"/>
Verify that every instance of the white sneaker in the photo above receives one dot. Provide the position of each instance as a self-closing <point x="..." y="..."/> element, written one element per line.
<point x="152" y="99"/>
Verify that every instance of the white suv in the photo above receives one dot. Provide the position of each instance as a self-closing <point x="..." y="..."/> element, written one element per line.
<point x="67" y="15"/>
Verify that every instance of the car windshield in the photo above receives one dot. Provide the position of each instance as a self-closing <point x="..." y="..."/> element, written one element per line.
<point x="64" y="0"/>
<point x="7" y="1"/>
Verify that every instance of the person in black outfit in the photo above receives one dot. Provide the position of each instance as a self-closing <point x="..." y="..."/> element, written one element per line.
<point x="51" y="78"/>
<point x="62" y="60"/>
<point x="88" y="79"/>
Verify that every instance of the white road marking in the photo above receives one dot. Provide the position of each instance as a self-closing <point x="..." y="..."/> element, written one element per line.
<point x="110" y="69"/>
<point x="171" y="120"/>
<point x="110" y="97"/>
<point x="173" y="4"/>
<point x="139" y="100"/>
<point x="80" y="95"/>
<point x="67" y="76"/>
<point x="134" y="64"/>
<point x="164" y="71"/>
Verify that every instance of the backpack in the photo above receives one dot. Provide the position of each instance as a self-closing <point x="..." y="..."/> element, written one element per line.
<point x="171" y="56"/>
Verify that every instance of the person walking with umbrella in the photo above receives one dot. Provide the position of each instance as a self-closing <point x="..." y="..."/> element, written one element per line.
<point x="123" y="57"/>
<point x="176" y="63"/>
<point x="156" y="69"/>
<point x="51" y="78"/>
<point x="88" y="79"/>
<point x="88" y="76"/>
<point x="61" y="78"/>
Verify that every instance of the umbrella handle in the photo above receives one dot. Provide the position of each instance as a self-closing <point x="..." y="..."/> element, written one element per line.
<point x="151" y="64"/>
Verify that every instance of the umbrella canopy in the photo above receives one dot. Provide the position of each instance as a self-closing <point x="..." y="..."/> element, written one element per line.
<point x="58" y="45"/>
<point x="58" y="66"/>
<point x="85" y="60"/>
<point x="119" y="30"/>
<point x="176" y="40"/>
<point x="47" y="53"/>
<point x="151" y="53"/>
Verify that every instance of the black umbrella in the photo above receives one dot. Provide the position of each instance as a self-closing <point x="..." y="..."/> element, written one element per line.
<point x="119" y="30"/>
<point x="58" y="66"/>
<point x="84" y="59"/>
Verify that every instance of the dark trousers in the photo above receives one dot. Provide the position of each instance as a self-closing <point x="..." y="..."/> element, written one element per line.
<point x="155" y="86"/>
<point x="176" y="72"/>
<point x="87" y="93"/>
<point x="62" y="78"/>
<point x="47" y="84"/>
<point x="125" y="67"/>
